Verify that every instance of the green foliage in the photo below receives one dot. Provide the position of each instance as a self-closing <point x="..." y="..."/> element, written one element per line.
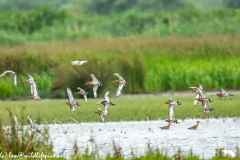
<point x="16" y="140"/>
<point x="148" y="65"/>
<point x="30" y="21"/>
<point x="44" y="24"/>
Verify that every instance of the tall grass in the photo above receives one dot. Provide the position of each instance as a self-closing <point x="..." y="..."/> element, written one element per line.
<point x="147" y="64"/>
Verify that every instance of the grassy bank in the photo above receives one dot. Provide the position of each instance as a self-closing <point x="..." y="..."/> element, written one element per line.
<point x="127" y="109"/>
<point x="148" y="64"/>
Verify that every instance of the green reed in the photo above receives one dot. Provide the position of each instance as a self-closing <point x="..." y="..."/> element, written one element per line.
<point x="148" y="64"/>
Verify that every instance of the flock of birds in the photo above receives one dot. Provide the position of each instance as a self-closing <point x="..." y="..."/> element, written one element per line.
<point x="200" y="96"/>
<point x="95" y="83"/>
<point x="71" y="102"/>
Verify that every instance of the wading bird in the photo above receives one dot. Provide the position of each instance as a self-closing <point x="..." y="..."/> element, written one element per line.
<point x="172" y="104"/>
<point x="198" y="91"/>
<point x="165" y="127"/>
<point x="223" y="93"/>
<point x="78" y="62"/>
<point x="101" y="113"/>
<point x="121" y="82"/>
<point x="82" y="92"/>
<point x="95" y="83"/>
<point x="12" y="73"/>
<point x="30" y="79"/>
<point x="205" y="104"/>
<point x="106" y="102"/>
<point x="71" y="102"/>
<point x="34" y="91"/>
<point x="195" y="126"/>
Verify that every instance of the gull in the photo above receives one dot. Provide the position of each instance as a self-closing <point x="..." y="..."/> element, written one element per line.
<point x="223" y="93"/>
<point x="95" y="83"/>
<point x="71" y="102"/>
<point x="121" y="82"/>
<point x="78" y="62"/>
<point x="195" y="126"/>
<point x="82" y="92"/>
<point x="34" y="91"/>
<point x="165" y="127"/>
<point x="12" y="73"/>
<point x="172" y="104"/>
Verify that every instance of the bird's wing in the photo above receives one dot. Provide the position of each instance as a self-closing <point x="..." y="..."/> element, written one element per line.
<point x="15" y="79"/>
<point x="102" y="117"/>
<point x="70" y="95"/>
<point x="223" y="90"/>
<point x="85" y="97"/>
<point x="119" y="77"/>
<point x="119" y="89"/>
<point x="75" y="62"/>
<point x="204" y="103"/>
<point x="106" y="105"/>
<point x="193" y="87"/>
<point x="202" y="95"/>
<point x="95" y="88"/>
<point x="201" y="86"/>
<point x="34" y="89"/>
<point x="82" y="62"/>
<point x="81" y="90"/>
<point x="106" y="96"/>
<point x="94" y="79"/>
<point x="5" y="72"/>
<point x="171" y="100"/>
<point x="171" y="112"/>
<point x="30" y="77"/>
<point x="72" y="107"/>
<point x="31" y="88"/>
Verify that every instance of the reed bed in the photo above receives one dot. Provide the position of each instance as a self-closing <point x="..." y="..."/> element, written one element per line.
<point x="148" y="64"/>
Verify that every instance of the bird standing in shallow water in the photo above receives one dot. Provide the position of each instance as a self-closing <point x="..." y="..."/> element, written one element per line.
<point x="165" y="127"/>
<point x="195" y="126"/>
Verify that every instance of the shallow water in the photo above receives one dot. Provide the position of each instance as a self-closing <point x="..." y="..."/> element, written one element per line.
<point x="135" y="136"/>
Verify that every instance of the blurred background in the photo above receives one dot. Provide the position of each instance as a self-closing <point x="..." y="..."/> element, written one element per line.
<point x="156" y="45"/>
